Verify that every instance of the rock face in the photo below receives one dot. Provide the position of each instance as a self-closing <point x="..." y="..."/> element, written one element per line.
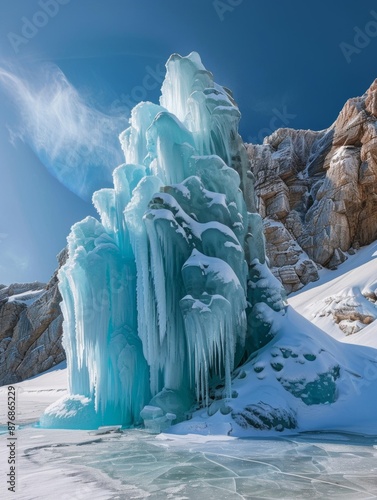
<point x="30" y="328"/>
<point x="317" y="191"/>
<point x="288" y="262"/>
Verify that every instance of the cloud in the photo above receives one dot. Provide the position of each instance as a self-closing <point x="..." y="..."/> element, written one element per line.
<point x="75" y="141"/>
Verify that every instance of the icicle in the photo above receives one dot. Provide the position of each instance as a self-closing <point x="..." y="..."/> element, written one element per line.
<point x="154" y="295"/>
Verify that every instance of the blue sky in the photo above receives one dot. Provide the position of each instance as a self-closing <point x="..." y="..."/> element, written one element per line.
<point x="74" y="71"/>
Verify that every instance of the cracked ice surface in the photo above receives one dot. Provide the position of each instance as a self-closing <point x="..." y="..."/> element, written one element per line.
<point x="80" y="465"/>
<point x="136" y="465"/>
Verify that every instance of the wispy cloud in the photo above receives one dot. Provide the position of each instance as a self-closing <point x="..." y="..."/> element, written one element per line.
<point x="75" y="141"/>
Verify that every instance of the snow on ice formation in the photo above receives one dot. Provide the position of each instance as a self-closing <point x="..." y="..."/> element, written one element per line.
<point x="169" y="306"/>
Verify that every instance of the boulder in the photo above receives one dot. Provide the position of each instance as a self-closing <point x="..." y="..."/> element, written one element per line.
<point x="30" y="328"/>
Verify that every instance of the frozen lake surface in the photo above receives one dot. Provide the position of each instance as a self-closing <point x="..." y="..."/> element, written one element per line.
<point x="80" y="465"/>
<point x="134" y="464"/>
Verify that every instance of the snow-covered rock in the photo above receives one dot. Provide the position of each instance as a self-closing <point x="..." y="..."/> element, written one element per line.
<point x="30" y="328"/>
<point x="343" y="302"/>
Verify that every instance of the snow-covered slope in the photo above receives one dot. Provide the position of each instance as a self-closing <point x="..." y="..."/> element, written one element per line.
<point x="36" y="393"/>
<point x="301" y="364"/>
<point x="344" y="300"/>
<point x="302" y="381"/>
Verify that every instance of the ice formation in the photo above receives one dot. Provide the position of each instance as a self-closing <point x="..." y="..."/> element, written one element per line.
<point x="164" y="297"/>
<point x="171" y="313"/>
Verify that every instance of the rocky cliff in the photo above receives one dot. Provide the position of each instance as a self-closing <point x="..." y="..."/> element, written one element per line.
<point x="317" y="191"/>
<point x="30" y="328"/>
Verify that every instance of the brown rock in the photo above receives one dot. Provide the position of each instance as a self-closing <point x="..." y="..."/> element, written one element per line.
<point x="321" y="185"/>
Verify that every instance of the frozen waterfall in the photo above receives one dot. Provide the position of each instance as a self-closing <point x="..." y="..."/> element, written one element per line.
<point x="162" y="296"/>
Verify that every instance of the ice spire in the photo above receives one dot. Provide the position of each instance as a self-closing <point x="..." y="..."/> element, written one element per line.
<point x="154" y="295"/>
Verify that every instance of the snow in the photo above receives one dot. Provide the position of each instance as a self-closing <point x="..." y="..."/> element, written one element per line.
<point x="302" y="376"/>
<point x="351" y="283"/>
<point x="36" y="393"/>
<point x="27" y="298"/>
